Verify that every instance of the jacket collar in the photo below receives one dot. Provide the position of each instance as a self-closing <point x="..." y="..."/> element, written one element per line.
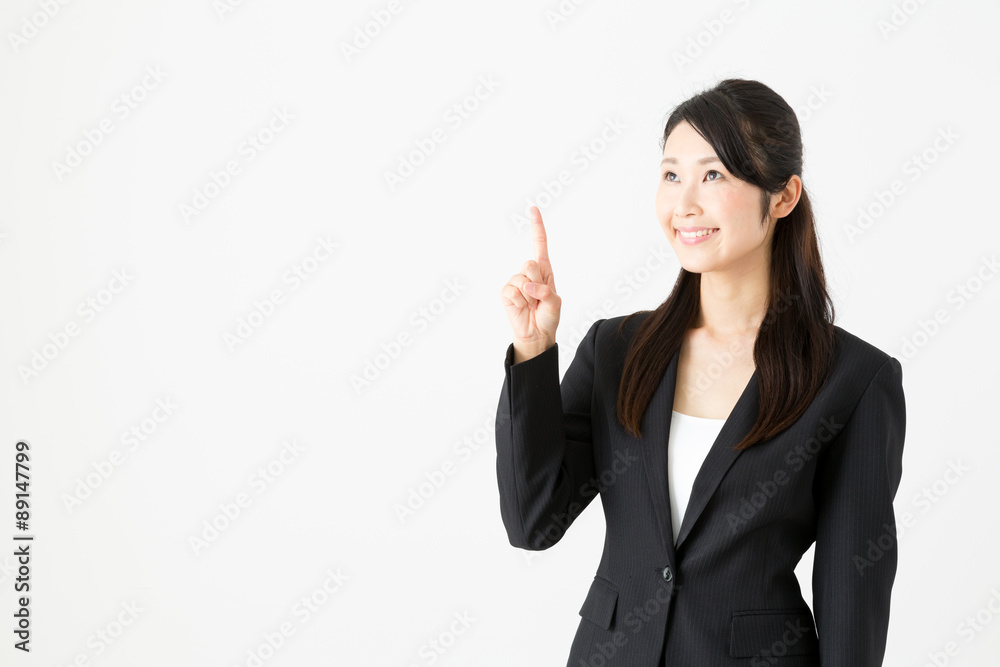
<point x="656" y="429"/>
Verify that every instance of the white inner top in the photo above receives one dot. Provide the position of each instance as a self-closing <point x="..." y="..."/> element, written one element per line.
<point x="690" y="440"/>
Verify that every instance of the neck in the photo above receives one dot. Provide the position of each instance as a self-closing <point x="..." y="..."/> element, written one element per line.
<point x="733" y="302"/>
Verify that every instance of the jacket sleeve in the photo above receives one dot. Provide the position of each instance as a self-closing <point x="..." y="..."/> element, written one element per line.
<point x="545" y="461"/>
<point x="856" y="550"/>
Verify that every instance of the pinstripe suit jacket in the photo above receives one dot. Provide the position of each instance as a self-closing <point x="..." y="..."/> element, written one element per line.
<point x="726" y="593"/>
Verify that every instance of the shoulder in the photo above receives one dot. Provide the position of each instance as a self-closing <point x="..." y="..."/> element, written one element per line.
<point x="854" y="347"/>
<point x="862" y="373"/>
<point x="623" y="326"/>
<point x="613" y="334"/>
<point x="860" y="360"/>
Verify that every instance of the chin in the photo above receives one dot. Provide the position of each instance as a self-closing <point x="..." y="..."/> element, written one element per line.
<point x="688" y="263"/>
<point x="696" y="266"/>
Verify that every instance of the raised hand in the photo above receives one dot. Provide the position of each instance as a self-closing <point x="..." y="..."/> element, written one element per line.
<point x="530" y="298"/>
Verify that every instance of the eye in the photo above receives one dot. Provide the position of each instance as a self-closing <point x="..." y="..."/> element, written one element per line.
<point x="667" y="175"/>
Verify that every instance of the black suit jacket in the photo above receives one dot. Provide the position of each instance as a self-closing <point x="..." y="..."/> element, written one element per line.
<point x="726" y="593"/>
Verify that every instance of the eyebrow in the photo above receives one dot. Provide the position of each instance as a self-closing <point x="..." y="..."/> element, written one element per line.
<point x="704" y="160"/>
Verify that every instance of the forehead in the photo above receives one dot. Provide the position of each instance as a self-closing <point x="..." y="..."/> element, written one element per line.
<point x="685" y="146"/>
<point x="705" y="159"/>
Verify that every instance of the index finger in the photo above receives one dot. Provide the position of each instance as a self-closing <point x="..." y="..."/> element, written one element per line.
<point x="538" y="238"/>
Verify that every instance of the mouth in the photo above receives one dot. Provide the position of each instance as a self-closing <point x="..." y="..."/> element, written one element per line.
<point x="695" y="235"/>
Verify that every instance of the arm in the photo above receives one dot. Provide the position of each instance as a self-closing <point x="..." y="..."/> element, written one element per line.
<point x="855" y="560"/>
<point x="545" y="462"/>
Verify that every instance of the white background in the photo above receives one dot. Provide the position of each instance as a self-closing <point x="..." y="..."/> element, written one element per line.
<point x="445" y="239"/>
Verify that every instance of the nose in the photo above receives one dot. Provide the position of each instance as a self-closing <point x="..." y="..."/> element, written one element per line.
<point x="686" y="202"/>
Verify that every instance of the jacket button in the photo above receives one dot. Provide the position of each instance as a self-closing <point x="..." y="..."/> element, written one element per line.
<point x="667" y="574"/>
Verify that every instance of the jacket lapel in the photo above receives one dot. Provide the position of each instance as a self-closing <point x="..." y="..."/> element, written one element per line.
<point x="656" y="427"/>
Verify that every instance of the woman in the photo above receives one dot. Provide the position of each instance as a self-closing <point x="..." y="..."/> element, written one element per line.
<point x="725" y="431"/>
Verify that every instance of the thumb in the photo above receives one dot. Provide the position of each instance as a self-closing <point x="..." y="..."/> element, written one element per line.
<point x="540" y="291"/>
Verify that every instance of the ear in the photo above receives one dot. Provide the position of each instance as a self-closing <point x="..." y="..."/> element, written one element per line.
<point x="782" y="203"/>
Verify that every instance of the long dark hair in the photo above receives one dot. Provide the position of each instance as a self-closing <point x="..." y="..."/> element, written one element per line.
<point x="756" y="136"/>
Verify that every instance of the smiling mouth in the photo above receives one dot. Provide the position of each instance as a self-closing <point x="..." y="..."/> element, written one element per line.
<point x="698" y="234"/>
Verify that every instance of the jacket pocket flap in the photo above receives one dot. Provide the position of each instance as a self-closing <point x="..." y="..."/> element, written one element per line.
<point x="599" y="607"/>
<point x="772" y="632"/>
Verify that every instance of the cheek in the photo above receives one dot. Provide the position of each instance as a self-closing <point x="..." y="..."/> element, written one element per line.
<point x="729" y="202"/>
<point x="739" y="210"/>
<point x="664" y="204"/>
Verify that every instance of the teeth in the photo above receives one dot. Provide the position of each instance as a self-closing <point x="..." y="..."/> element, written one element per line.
<point x="694" y="235"/>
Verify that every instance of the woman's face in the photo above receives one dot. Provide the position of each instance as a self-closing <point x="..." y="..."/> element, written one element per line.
<point x="696" y="191"/>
